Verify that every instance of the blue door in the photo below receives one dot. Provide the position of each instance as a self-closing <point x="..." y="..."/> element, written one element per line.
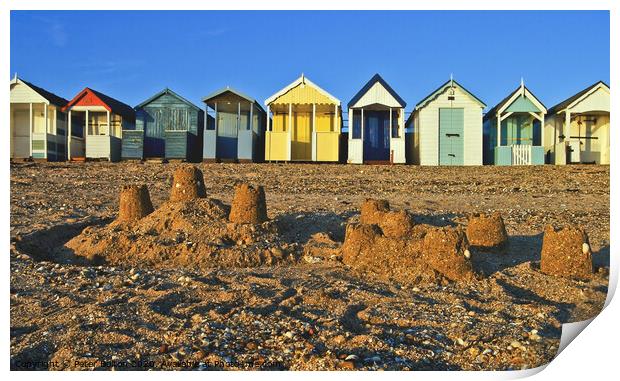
<point x="376" y="135"/>
<point x="451" y="131"/>
<point x="154" y="143"/>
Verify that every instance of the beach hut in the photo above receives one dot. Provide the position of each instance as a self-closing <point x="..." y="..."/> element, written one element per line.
<point x="102" y="119"/>
<point x="587" y="138"/>
<point x="447" y="127"/>
<point x="513" y="130"/>
<point x="37" y="122"/>
<point x="168" y="126"/>
<point x="376" y="124"/>
<point x="307" y="122"/>
<point x="238" y="131"/>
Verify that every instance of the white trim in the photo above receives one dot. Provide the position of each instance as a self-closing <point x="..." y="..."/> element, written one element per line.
<point x="499" y="132"/>
<point x="350" y="117"/>
<point x="542" y="135"/>
<point x="297" y="82"/>
<point x="289" y="130"/>
<point x="535" y="115"/>
<point x="68" y="132"/>
<point x="31" y="126"/>
<point x="314" y="134"/>
<point x="506" y="115"/>
<point x="46" y="125"/>
<point x="88" y="108"/>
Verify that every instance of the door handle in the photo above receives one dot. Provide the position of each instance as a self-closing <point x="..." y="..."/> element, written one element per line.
<point x="451" y="155"/>
<point x="452" y="135"/>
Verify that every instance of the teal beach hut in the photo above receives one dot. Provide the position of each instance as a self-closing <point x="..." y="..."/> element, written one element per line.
<point x="513" y="133"/>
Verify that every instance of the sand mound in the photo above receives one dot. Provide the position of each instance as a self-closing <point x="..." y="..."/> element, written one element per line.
<point x="187" y="184"/>
<point x="134" y="203"/>
<point x="487" y="231"/>
<point x="566" y="253"/>
<point x="191" y="233"/>
<point x="249" y="205"/>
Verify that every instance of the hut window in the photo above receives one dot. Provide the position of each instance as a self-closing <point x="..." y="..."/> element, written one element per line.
<point x="356" y="124"/>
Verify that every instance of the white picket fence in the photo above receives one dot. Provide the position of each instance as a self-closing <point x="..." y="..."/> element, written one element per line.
<point x="521" y="155"/>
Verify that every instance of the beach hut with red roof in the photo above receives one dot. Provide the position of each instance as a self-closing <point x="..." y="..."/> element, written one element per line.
<point x="101" y="120"/>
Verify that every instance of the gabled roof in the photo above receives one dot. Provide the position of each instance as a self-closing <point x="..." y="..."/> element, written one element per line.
<point x="449" y="83"/>
<point x="504" y="101"/>
<point x="232" y="91"/>
<point x="297" y="82"/>
<point x="376" y="78"/>
<point x="51" y="97"/>
<point x="110" y="103"/>
<point x="169" y="92"/>
<point x="565" y="103"/>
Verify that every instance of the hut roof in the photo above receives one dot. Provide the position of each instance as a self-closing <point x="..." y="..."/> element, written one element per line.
<point x="228" y="89"/>
<point x="51" y="97"/>
<point x="169" y="92"/>
<point x="567" y="102"/>
<point x="108" y="102"/>
<point x="449" y="83"/>
<point x="299" y="81"/>
<point x="376" y="78"/>
<point x="504" y="101"/>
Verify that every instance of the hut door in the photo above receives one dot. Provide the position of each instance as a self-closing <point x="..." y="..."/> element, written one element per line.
<point x="377" y="136"/>
<point x="301" y="137"/>
<point x="227" y="135"/>
<point x="21" y="135"/>
<point x="451" y="131"/>
<point x="154" y="143"/>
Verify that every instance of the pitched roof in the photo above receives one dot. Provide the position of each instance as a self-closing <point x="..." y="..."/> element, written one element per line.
<point x="169" y="92"/>
<point x="503" y="102"/>
<point x="565" y="103"/>
<point x="449" y="82"/>
<point x="376" y="78"/>
<point x="233" y="91"/>
<point x="297" y="82"/>
<point x="114" y="105"/>
<point x="51" y="97"/>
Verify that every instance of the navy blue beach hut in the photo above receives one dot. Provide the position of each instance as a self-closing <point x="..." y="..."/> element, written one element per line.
<point x="238" y="128"/>
<point x="168" y="126"/>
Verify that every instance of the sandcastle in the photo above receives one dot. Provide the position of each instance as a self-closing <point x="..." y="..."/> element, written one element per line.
<point x="486" y="231"/>
<point x="566" y="252"/>
<point x="389" y="244"/>
<point x="189" y="230"/>
<point x="249" y="205"/>
<point x="187" y="184"/>
<point x="134" y="203"/>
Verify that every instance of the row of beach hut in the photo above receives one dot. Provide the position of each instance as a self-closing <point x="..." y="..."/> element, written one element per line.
<point x="303" y="122"/>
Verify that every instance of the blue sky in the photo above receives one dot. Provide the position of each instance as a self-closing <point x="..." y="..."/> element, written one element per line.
<point x="132" y="55"/>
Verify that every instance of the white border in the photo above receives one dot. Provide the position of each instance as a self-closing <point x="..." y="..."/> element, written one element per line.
<point x="592" y="356"/>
